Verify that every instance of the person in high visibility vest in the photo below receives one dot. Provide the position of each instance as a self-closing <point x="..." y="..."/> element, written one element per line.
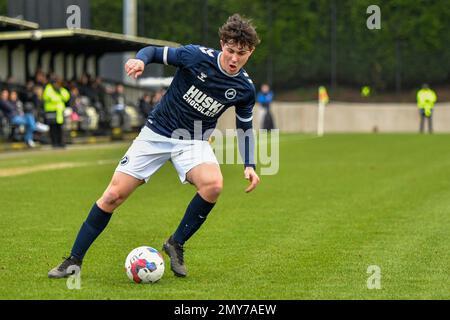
<point x="55" y="97"/>
<point x="426" y="98"/>
<point x="365" y="91"/>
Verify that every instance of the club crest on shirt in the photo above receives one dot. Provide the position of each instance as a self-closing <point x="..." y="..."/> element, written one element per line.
<point x="230" y="93"/>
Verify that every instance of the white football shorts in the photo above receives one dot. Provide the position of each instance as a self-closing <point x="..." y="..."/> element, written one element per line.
<point x="149" y="151"/>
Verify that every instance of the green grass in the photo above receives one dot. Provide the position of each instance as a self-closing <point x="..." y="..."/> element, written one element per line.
<point x="337" y="205"/>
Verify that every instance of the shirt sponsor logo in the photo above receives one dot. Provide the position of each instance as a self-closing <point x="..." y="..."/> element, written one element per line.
<point x="202" y="102"/>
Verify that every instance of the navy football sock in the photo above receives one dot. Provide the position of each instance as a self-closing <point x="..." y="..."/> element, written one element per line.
<point x="90" y="230"/>
<point x="196" y="213"/>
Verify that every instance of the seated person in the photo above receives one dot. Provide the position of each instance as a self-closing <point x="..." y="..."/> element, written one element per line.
<point x="17" y="117"/>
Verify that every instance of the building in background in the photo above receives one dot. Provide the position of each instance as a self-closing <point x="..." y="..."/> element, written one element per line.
<point x="49" y="14"/>
<point x="52" y="14"/>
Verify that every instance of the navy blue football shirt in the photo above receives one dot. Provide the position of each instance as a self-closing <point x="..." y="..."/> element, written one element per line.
<point x="200" y="91"/>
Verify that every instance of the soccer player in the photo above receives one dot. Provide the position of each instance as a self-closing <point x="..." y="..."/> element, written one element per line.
<point x="206" y="83"/>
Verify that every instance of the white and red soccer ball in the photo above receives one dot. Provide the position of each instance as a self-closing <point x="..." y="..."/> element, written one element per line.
<point x="144" y="265"/>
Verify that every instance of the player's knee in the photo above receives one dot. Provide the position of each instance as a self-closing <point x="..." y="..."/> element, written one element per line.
<point x="214" y="188"/>
<point x="112" y="198"/>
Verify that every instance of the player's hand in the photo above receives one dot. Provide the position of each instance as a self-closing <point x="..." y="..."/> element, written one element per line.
<point x="250" y="175"/>
<point x="134" y="67"/>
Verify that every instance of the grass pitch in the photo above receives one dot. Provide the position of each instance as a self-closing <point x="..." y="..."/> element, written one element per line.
<point x="338" y="205"/>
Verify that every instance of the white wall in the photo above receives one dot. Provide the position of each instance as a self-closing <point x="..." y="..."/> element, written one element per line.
<point x="347" y="117"/>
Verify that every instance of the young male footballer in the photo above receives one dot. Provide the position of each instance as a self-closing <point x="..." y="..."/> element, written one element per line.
<point x="206" y="83"/>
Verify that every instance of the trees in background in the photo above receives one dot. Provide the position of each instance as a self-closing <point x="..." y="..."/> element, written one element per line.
<point x="412" y="46"/>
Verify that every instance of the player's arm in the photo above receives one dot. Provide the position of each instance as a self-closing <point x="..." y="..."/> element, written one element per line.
<point x="162" y="55"/>
<point x="246" y="143"/>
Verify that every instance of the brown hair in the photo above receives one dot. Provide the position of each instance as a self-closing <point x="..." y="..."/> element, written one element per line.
<point x="239" y="30"/>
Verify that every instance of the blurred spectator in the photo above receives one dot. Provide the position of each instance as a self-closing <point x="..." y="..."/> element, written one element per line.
<point x="27" y="108"/>
<point x="11" y="110"/>
<point x="158" y="96"/>
<point x="74" y="94"/>
<point x="119" y="104"/>
<point x="31" y="97"/>
<point x="55" y="97"/>
<point x="145" y="105"/>
<point x="40" y="78"/>
<point x="75" y="104"/>
<point x="265" y="97"/>
<point x="100" y="103"/>
<point x="14" y="99"/>
<point x="119" y="96"/>
<point x="38" y="103"/>
<point x="26" y="95"/>
<point x="79" y="105"/>
<point x="97" y="107"/>
<point x="85" y="88"/>
<point x="426" y="98"/>
<point x="99" y="90"/>
<point x="365" y="92"/>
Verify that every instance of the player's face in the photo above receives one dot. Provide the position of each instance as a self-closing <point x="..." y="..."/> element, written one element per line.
<point x="234" y="57"/>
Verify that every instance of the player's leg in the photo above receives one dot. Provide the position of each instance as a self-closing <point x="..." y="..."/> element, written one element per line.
<point x="198" y="166"/>
<point x="142" y="160"/>
<point x="118" y="190"/>
<point x="208" y="181"/>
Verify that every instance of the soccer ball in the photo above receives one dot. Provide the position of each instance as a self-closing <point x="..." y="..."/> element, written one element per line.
<point x="144" y="265"/>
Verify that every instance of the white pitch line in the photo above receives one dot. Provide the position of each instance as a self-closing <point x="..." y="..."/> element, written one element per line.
<point x="50" y="150"/>
<point x="18" y="171"/>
